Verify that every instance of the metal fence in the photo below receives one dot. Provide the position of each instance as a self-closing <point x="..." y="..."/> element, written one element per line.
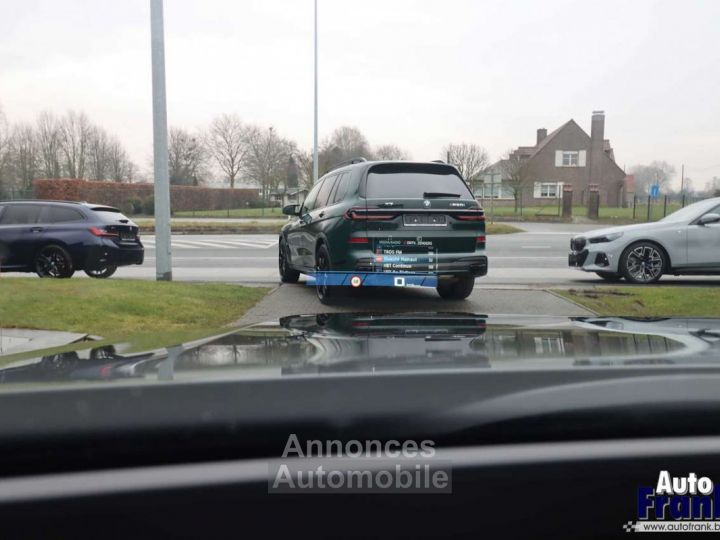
<point x="636" y="209"/>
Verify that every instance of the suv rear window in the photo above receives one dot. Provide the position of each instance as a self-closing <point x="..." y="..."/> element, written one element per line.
<point x="406" y="182"/>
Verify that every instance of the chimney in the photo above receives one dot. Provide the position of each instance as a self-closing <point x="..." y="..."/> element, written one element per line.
<point x="541" y="134"/>
<point x="597" y="130"/>
<point x="597" y="148"/>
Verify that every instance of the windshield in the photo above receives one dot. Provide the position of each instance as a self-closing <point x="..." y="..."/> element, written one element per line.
<point x="283" y="199"/>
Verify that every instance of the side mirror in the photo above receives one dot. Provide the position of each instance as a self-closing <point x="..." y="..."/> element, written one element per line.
<point x="291" y="210"/>
<point x="707" y="219"/>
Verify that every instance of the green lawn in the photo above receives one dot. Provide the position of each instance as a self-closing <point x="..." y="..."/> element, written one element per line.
<point x="501" y="228"/>
<point x="657" y="211"/>
<point x="154" y="313"/>
<point x="649" y="301"/>
<point x="147" y="226"/>
<point x="275" y="212"/>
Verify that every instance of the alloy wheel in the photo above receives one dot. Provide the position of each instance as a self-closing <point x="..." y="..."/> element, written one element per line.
<point x="644" y="263"/>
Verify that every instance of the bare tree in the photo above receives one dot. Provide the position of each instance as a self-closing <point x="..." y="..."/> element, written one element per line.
<point x="75" y="139"/>
<point x="267" y="159"/>
<point x="345" y="142"/>
<point x="390" y="151"/>
<point x="304" y="162"/>
<point x="657" y="173"/>
<point x="227" y="142"/>
<point x="119" y="167"/>
<point x="4" y="153"/>
<point x="470" y="159"/>
<point x="187" y="158"/>
<point x="516" y="175"/>
<point x="98" y="150"/>
<point x="49" y="142"/>
<point x="24" y="154"/>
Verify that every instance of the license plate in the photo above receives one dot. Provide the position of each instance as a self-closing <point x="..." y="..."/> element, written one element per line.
<point x="432" y="220"/>
<point x="127" y="237"/>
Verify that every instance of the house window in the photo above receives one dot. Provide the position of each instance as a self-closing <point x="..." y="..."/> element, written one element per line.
<point x="570" y="159"/>
<point x="549" y="190"/>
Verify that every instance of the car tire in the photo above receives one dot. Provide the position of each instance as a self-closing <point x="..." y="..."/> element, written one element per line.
<point x="101" y="273"/>
<point x="325" y="293"/>
<point x="287" y="274"/>
<point x="643" y="263"/>
<point x="457" y="288"/>
<point x="53" y="261"/>
<point x="609" y="276"/>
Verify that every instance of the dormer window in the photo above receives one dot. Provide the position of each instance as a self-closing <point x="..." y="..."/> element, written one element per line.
<point x="570" y="158"/>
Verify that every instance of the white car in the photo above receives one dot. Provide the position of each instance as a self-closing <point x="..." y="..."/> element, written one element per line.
<point x="685" y="242"/>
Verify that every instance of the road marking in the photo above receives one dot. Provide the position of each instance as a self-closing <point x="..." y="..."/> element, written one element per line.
<point x="493" y="257"/>
<point x="201" y="258"/>
<point x="220" y="244"/>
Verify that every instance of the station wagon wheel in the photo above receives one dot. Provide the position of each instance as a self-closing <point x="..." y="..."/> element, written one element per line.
<point x="643" y="263"/>
<point x="54" y="261"/>
<point x="101" y="273"/>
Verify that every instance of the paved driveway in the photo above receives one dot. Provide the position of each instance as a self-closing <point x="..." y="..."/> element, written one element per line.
<point x="301" y="300"/>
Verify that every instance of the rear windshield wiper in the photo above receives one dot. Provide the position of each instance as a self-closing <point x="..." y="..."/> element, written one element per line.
<point x="439" y="195"/>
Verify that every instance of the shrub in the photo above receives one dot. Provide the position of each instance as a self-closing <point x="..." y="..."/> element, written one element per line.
<point x="183" y="198"/>
<point x="126" y="208"/>
<point x="137" y="205"/>
<point x="149" y="205"/>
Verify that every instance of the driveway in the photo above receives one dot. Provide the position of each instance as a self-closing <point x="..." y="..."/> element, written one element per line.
<point x="301" y="299"/>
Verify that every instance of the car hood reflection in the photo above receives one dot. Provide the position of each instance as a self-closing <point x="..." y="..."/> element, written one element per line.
<point x="347" y="343"/>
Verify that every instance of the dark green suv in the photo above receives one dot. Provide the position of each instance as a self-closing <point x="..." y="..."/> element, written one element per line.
<point x="387" y="216"/>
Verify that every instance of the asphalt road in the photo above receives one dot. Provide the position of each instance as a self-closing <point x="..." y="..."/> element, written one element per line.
<point x="535" y="258"/>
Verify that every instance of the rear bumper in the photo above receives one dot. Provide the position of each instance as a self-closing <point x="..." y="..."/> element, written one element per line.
<point x="111" y="254"/>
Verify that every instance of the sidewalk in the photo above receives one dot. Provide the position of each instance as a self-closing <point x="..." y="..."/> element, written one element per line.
<point x="15" y="340"/>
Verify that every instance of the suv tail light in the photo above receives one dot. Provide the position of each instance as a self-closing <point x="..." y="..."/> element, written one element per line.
<point x="480" y="241"/>
<point x="476" y="215"/>
<point x="358" y="213"/>
<point x="103" y="233"/>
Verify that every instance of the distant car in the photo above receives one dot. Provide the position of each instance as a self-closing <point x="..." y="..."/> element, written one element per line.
<point x="388" y="216"/>
<point x="56" y="238"/>
<point x="686" y="242"/>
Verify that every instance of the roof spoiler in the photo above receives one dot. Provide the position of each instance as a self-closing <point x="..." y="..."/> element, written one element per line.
<point x="351" y="161"/>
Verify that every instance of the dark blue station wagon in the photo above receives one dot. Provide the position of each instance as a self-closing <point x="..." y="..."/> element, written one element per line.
<point x="57" y="238"/>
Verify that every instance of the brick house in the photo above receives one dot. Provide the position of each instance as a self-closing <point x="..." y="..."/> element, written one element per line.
<point x="568" y="155"/>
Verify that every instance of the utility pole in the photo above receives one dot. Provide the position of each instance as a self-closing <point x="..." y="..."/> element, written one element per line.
<point x="682" y="179"/>
<point x="315" y="133"/>
<point x="163" y="253"/>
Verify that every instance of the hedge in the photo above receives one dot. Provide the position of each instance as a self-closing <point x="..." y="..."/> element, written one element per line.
<point x="127" y="195"/>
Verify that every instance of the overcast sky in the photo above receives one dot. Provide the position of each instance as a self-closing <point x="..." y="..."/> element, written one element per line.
<point x="417" y="73"/>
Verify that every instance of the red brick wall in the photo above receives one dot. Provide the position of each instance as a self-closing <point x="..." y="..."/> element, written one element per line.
<point x="118" y="194"/>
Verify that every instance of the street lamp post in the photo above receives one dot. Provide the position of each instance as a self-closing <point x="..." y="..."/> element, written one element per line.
<point x="163" y="254"/>
<point x="315" y="132"/>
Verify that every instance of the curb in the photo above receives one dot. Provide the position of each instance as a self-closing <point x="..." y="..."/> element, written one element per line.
<point x="577" y="304"/>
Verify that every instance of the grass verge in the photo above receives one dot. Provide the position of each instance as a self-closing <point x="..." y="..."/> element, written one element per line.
<point x="262" y="213"/>
<point x="501" y="228"/>
<point x="653" y="301"/>
<point x="153" y="314"/>
<point x="147" y="226"/>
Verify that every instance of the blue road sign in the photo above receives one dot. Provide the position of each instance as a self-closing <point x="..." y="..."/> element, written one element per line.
<point x="655" y="191"/>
